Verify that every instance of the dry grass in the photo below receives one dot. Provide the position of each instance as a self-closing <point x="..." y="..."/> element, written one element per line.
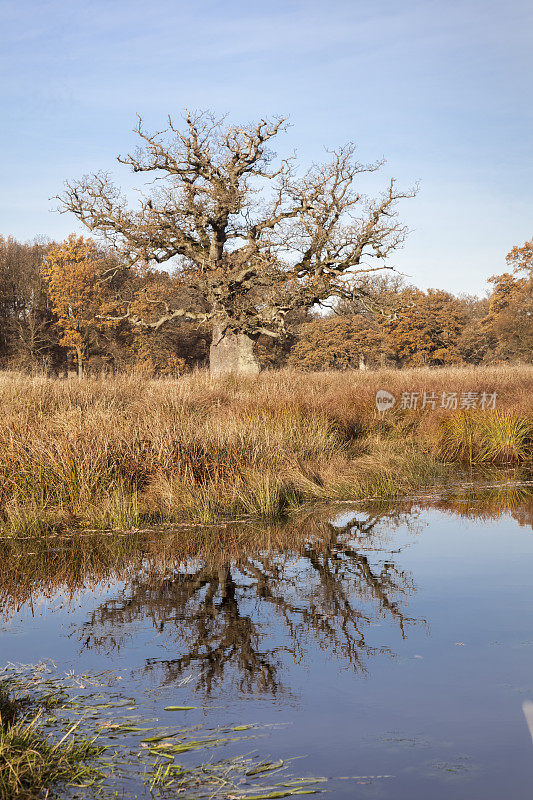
<point x="117" y="452"/>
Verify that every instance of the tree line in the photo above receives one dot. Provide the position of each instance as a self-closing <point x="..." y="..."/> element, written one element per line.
<point x="62" y="309"/>
<point x="395" y="324"/>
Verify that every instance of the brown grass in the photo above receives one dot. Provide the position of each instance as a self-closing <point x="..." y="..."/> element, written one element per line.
<point x="116" y="452"/>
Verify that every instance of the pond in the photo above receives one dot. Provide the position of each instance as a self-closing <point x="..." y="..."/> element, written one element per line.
<point x="385" y="646"/>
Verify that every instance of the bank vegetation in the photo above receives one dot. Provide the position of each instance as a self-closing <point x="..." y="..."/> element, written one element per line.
<point x="123" y="452"/>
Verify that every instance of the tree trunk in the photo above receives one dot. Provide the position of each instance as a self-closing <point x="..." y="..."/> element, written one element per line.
<point x="79" y="356"/>
<point x="232" y="353"/>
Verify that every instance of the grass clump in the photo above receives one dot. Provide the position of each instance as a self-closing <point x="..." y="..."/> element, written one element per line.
<point x="508" y="439"/>
<point x="32" y="763"/>
<point x="501" y="438"/>
<point x="8" y="709"/>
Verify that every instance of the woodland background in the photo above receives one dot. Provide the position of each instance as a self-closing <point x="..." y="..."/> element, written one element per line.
<point x="56" y="301"/>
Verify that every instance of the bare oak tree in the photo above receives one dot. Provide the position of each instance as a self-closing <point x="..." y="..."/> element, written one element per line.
<point x="253" y="236"/>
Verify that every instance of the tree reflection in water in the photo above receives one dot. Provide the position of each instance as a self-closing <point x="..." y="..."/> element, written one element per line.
<point x="232" y="602"/>
<point x="223" y="617"/>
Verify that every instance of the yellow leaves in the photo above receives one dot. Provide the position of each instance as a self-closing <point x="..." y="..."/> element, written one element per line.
<point x="72" y="271"/>
<point x="521" y="258"/>
<point x="72" y="338"/>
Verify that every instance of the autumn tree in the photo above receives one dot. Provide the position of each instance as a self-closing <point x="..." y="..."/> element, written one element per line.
<point x="80" y="276"/>
<point x="253" y="236"/>
<point x="424" y="328"/>
<point x="473" y="345"/>
<point x="388" y="323"/>
<point x="28" y="337"/>
<point x="377" y="303"/>
<point x="509" y="322"/>
<point x="170" y="349"/>
<point x="521" y="258"/>
<point x="336" y="342"/>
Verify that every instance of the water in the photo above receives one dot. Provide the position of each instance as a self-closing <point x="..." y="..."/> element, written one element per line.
<point x="377" y="640"/>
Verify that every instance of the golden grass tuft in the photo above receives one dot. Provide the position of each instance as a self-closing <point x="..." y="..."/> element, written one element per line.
<point x="502" y="438"/>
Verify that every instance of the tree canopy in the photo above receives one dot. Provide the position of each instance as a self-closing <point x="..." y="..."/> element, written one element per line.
<point x="255" y="236"/>
<point x="510" y="319"/>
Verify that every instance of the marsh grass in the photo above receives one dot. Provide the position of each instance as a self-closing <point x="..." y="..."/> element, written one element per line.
<point x="32" y="763"/>
<point x="500" y="438"/>
<point x="507" y="439"/>
<point x="125" y="452"/>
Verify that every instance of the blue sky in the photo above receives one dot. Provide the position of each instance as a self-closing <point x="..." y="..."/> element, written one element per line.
<point x="443" y="90"/>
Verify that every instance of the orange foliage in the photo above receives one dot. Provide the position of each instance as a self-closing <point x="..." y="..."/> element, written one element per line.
<point x="337" y="342"/>
<point x="425" y="328"/>
<point x="419" y="328"/>
<point x="510" y="317"/>
<point x="73" y="272"/>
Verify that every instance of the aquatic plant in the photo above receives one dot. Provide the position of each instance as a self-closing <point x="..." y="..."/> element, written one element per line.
<point x="130" y="747"/>
<point x="31" y="762"/>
